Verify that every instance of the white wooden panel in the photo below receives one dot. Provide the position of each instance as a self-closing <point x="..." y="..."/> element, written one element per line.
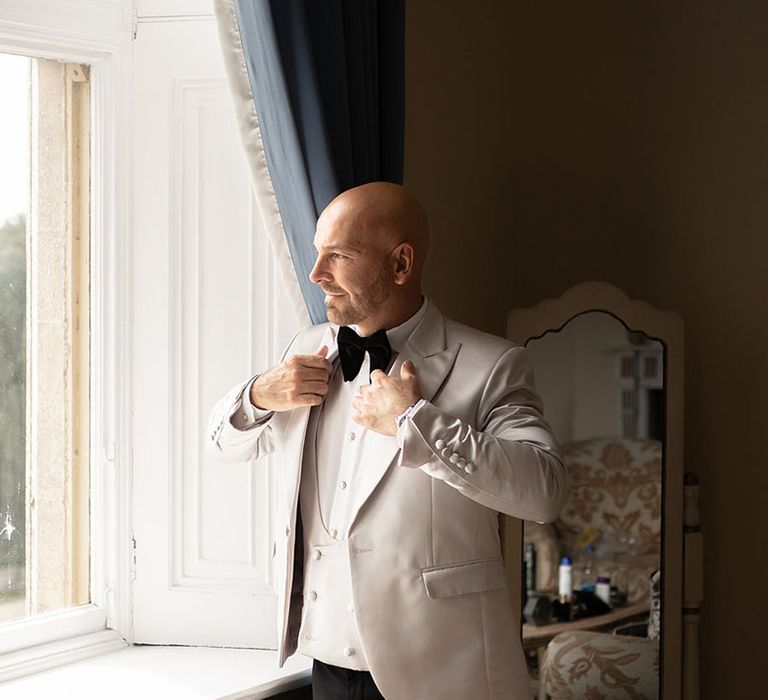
<point x="86" y="23"/>
<point x="173" y="8"/>
<point x="216" y="327"/>
<point x="205" y="318"/>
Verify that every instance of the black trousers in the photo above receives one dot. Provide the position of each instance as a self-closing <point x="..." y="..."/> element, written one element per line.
<point x="337" y="683"/>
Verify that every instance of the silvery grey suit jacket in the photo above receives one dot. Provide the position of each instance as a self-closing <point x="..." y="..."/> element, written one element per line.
<point x="429" y="590"/>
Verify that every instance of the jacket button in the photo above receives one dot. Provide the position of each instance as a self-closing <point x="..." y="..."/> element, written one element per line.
<point x="439" y="443"/>
<point x="469" y="468"/>
<point x="455" y="457"/>
<point x="316" y="554"/>
<point x="349" y="651"/>
<point x="313" y="595"/>
<point x="333" y="532"/>
<point x="287" y="530"/>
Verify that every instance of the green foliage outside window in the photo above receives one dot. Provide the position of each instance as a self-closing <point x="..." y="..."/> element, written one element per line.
<point x="13" y="336"/>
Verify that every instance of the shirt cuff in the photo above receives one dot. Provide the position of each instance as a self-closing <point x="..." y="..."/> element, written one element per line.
<point x="402" y="420"/>
<point x="246" y="415"/>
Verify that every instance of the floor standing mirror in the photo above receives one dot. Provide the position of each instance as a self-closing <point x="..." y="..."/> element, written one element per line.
<point x="600" y="590"/>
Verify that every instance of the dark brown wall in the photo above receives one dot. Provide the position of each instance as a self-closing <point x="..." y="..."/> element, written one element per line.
<point x="557" y="142"/>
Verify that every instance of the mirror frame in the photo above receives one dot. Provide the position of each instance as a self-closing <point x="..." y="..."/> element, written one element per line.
<point x="667" y="327"/>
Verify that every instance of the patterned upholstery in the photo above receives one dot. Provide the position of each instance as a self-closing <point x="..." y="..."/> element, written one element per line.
<point x="615" y="489"/>
<point x="598" y="666"/>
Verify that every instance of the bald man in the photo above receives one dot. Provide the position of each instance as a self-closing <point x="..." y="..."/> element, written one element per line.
<point x="400" y="435"/>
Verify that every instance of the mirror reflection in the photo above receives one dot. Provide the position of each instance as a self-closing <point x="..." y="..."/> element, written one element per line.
<point x="592" y="578"/>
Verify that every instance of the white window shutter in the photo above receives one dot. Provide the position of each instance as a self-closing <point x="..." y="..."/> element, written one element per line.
<point x="205" y="313"/>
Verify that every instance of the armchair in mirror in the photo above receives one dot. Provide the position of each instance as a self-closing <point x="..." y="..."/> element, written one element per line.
<point x="601" y="589"/>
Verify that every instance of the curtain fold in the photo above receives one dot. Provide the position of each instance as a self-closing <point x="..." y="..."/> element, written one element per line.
<point x="318" y="90"/>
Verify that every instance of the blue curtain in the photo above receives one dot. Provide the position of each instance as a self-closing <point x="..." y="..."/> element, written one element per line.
<point x="326" y="79"/>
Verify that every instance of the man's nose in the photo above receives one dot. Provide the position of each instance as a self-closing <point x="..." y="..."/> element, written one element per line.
<point x="316" y="273"/>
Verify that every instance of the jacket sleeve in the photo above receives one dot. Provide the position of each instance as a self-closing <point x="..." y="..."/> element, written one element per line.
<point x="511" y="463"/>
<point x="238" y="431"/>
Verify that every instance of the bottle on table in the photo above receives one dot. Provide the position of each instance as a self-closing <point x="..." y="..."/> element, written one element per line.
<point x="603" y="589"/>
<point x="530" y="567"/>
<point x="589" y="562"/>
<point x="565" y="588"/>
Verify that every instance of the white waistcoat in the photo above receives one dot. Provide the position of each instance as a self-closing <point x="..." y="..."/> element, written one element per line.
<point x="328" y="627"/>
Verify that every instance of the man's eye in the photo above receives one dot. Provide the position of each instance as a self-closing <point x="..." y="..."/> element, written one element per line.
<point x="336" y="255"/>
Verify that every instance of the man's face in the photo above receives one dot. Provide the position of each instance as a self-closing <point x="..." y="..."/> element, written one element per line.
<point x="351" y="271"/>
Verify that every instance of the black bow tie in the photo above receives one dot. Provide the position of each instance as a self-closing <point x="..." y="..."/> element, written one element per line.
<point x="352" y="351"/>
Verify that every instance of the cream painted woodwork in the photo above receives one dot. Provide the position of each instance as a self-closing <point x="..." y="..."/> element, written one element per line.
<point x="163" y="10"/>
<point x="44" y="27"/>
<point x="57" y="475"/>
<point x="96" y="35"/>
<point x="207" y="313"/>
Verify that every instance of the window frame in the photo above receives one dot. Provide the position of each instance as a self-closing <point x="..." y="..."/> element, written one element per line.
<point x="100" y="35"/>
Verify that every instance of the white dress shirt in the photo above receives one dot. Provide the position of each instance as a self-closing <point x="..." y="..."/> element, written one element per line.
<point x="334" y="460"/>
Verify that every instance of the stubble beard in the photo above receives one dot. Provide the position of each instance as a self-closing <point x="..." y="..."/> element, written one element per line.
<point x="364" y="305"/>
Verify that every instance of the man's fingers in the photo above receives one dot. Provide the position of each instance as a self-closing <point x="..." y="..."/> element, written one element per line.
<point x="312" y="361"/>
<point x="362" y="418"/>
<point x="406" y="370"/>
<point x="323" y="353"/>
<point x="313" y="387"/>
<point x="377" y="376"/>
<point x="309" y="400"/>
<point x="361" y="404"/>
<point x="310" y="374"/>
<point x="367" y="388"/>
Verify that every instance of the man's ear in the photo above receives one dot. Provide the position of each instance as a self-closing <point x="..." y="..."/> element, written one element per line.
<point x="403" y="262"/>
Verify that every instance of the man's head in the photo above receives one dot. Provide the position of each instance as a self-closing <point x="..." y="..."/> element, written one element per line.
<point x="372" y="242"/>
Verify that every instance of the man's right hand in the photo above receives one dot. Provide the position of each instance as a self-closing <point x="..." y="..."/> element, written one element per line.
<point x="301" y="380"/>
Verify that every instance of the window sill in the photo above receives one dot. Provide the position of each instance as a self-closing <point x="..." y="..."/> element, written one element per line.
<point x="169" y="672"/>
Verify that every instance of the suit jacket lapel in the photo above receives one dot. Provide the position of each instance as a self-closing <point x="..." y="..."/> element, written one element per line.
<point x="427" y="349"/>
<point x="296" y="430"/>
<point x="432" y="360"/>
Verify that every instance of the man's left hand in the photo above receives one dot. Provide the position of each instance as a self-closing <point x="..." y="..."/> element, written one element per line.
<point x="378" y="404"/>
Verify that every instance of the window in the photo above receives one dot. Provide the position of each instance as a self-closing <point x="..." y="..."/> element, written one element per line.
<point x="44" y="336"/>
<point x="14" y="194"/>
<point x="157" y="245"/>
<point x="641" y="394"/>
<point x="77" y="466"/>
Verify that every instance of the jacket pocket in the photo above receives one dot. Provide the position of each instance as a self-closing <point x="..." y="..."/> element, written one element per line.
<point x="465" y="577"/>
